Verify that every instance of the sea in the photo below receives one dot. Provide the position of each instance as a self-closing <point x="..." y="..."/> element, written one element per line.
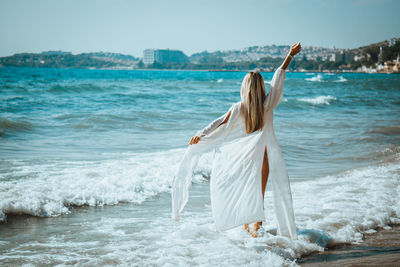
<point x="87" y="159"/>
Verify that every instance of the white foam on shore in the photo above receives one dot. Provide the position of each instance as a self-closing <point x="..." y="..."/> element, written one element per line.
<point x="351" y="203"/>
<point x="317" y="78"/>
<point x="318" y="100"/>
<point x="49" y="189"/>
<point x="329" y="210"/>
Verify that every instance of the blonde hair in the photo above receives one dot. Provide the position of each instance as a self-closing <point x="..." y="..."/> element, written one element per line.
<point x="252" y="103"/>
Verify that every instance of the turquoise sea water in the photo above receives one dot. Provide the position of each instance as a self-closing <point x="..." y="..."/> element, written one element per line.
<point x="324" y="122"/>
<point x="77" y="137"/>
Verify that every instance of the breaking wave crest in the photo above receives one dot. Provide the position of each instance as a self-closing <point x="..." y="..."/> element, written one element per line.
<point x="317" y="78"/>
<point x="319" y="100"/>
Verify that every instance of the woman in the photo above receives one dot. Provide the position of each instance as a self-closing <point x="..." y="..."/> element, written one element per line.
<point x="235" y="180"/>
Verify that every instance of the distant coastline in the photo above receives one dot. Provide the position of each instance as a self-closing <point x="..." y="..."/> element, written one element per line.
<point x="208" y="70"/>
<point x="382" y="57"/>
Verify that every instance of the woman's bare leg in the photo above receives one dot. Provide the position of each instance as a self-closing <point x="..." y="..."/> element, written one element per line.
<point x="264" y="172"/>
<point x="264" y="179"/>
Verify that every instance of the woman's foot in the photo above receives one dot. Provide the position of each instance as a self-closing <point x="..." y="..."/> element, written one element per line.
<point x="255" y="229"/>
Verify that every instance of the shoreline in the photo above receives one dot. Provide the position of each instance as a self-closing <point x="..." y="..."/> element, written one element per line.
<point x="204" y="70"/>
<point x="381" y="248"/>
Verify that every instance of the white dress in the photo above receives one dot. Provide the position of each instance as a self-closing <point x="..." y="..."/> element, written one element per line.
<point x="235" y="184"/>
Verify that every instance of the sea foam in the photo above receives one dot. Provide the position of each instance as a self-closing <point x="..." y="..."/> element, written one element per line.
<point x="351" y="203"/>
<point x="317" y="78"/>
<point x="318" y="100"/>
<point x="329" y="210"/>
<point x="341" y="79"/>
<point x="50" y="189"/>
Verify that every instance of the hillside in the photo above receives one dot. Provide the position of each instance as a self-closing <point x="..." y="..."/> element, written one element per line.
<point x="255" y="53"/>
<point x="377" y="57"/>
<point x="60" y="59"/>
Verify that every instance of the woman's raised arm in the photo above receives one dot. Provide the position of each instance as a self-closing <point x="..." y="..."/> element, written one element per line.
<point x="294" y="50"/>
<point x="275" y="94"/>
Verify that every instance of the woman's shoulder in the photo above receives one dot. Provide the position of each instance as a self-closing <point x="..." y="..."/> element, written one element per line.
<point x="235" y="106"/>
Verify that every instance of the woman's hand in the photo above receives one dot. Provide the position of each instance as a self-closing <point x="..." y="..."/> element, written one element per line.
<point x="295" y="49"/>
<point x="195" y="140"/>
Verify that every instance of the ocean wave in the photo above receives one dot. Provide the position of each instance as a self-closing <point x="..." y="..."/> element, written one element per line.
<point x="387" y="130"/>
<point x="50" y="189"/>
<point x="106" y="121"/>
<point x="319" y="100"/>
<point x="335" y="210"/>
<point x="81" y="120"/>
<point x="59" y="88"/>
<point x="317" y="78"/>
<point x="7" y="125"/>
<point x="349" y="204"/>
<point x="341" y="79"/>
<point x="329" y="211"/>
<point x="220" y="80"/>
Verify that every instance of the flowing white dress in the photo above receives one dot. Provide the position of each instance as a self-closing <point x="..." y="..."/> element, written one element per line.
<point x="235" y="184"/>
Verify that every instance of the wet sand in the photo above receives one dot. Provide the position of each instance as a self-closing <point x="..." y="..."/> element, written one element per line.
<point x="378" y="249"/>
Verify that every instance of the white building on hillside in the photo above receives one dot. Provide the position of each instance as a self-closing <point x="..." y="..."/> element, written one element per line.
<point x="148" y="56"/>
<point x="163" y="56"/>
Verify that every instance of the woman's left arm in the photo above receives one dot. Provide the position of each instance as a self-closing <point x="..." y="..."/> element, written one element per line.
<point x="211" y="127"/>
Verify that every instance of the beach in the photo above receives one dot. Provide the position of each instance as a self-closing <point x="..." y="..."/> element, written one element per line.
<point x="88" y="156"/>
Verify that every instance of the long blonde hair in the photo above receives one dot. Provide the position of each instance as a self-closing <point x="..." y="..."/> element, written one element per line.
<point x="252" y="103"/>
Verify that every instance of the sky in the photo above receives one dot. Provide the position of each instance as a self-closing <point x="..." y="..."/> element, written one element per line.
<point x="130" y="26"/>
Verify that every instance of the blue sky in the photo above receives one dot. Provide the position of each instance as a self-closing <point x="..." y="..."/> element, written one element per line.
<point x="129" y="26"/>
